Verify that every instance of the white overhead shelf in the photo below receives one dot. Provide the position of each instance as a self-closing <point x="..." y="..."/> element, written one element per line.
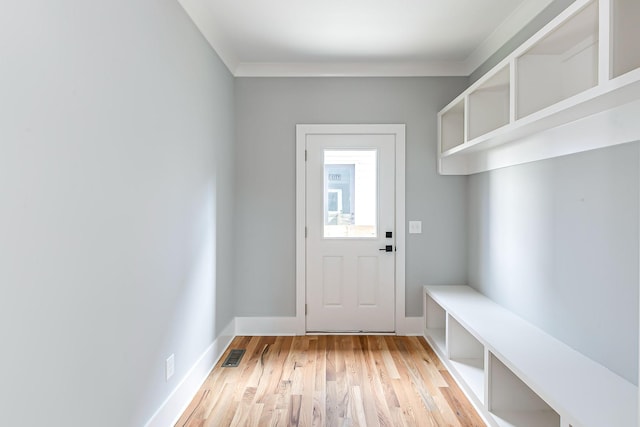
<point x="573" y="86"/>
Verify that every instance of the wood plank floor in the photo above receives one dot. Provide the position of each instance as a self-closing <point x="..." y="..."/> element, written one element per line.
<point x="331" y="381"/>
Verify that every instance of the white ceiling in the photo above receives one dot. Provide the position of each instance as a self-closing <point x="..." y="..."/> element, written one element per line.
<point x="358" y="37"/>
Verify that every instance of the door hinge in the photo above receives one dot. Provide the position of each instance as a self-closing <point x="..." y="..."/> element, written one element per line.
<point x="305" y="232"/>
<point x="305" y="309"/>
<point x="305" y="155"/>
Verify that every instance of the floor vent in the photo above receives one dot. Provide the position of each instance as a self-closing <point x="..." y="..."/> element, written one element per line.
<point x="233" y="359"/>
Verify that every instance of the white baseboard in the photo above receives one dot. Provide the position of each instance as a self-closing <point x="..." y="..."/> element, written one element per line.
<point x="267" y="326"/>
<point x="273" y="326"/>
<point x="411" y="326"/>
<point x="173" y="407"/>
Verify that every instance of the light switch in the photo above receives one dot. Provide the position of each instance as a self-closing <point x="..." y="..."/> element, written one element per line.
<point x="415" y="227"/>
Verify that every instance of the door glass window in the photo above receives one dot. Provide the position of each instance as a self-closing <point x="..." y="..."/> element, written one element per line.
<point x="351" y="193"/>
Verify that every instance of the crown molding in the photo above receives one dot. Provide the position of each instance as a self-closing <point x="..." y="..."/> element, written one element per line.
<point x="202" y="15"/>
<point x="350" y="69"/>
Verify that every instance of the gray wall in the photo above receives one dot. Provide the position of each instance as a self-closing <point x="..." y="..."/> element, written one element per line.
<point x="267" y="110"/>
<point x="557" y="242"/>
<point x="116" y="132"/>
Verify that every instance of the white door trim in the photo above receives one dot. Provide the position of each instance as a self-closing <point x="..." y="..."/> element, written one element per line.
<point x="302" y="130"/>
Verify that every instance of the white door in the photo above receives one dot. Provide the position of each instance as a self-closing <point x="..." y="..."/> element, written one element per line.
<point x="350" y="206"/>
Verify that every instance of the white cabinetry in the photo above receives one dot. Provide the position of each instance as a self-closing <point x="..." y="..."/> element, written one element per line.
<point x="560" y="65"/>
<point x="489" y="104"/>
<point x="513" y="403"/>
<point x="466" y="354"/>
<point x="579" y="75"/>
<point x="625" y="35"/>
<point x="452" y="126"/>
<point x="517" y="375"/>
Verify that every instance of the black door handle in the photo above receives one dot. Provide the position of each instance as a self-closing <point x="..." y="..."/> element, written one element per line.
<point x="387" y="248"/>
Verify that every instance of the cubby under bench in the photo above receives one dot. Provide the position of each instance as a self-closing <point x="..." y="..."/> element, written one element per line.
<point x="517" y="375"/>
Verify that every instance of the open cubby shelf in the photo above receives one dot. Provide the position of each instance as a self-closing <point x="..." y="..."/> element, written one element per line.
<point x="582" y="66"/>
<point x="625" y="35"/>
<point x="452" y="127"/>
<point x="513" y="403"/>
<point x="466" y="354"/>
<point x="517" y="375"/>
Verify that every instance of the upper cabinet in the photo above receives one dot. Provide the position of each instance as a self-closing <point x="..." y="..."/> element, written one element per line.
<point x="625" y="33"/>
<point x="573" y="86"/>
<point x="560" y="65"/>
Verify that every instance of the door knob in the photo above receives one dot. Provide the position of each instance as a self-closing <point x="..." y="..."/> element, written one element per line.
<point x="387" y="248"/>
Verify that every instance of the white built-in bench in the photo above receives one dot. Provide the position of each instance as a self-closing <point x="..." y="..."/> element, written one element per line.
<point x="517" y="375"/>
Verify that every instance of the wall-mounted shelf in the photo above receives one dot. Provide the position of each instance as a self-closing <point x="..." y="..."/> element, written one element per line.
<point x="489" y="105"/>
<point x="517" y="375"/>
<point x="452" y="125"/>
<point x="578" y="76"/>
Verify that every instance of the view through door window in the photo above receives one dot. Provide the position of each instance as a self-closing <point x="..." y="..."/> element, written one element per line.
<point x="350" y="193"/>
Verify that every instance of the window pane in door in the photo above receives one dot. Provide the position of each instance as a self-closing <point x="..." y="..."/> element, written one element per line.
<point x="350" y="193"/>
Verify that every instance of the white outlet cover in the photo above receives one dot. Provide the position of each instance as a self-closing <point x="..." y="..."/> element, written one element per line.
<point x="170" y="367"/>
<point x="415" y="227"/>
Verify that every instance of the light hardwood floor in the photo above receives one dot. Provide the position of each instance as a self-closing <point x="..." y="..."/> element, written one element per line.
<point x="331" y="381"/>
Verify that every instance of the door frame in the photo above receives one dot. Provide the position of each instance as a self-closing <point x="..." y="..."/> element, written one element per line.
<point x="398" y="131"/>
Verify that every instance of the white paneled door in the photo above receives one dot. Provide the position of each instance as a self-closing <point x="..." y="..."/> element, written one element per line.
<point x="350" y="250"/>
